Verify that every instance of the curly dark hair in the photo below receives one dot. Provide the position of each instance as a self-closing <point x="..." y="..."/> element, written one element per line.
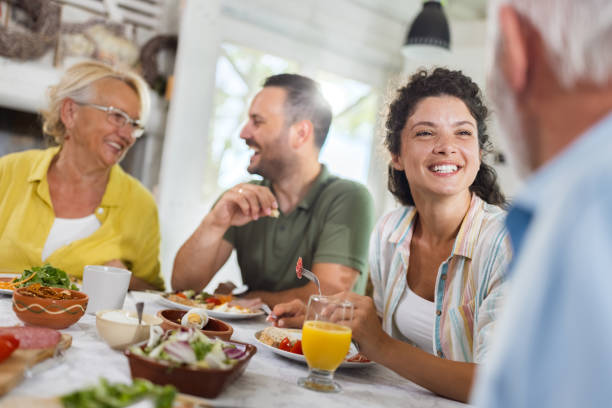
<point x="440" y="82"/>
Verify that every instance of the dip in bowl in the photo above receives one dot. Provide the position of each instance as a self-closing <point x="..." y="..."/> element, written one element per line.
<point x="119" y="328"/>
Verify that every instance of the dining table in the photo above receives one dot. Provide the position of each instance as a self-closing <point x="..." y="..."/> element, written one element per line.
<point x="270" y="380"/>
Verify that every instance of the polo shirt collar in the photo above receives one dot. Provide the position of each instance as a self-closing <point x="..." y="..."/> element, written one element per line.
<point x="315" y="190"/>
<point x="467" y="237"/>
<point x="39" y="170"/>
<point x="114" y="188"/>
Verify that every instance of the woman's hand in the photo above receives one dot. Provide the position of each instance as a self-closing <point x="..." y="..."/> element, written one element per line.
<point x="365" y="325"/>
<point x="290" y="314"/>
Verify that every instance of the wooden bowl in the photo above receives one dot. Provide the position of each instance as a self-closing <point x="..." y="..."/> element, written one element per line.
<point x="203" y="382"/>
<point x="52" y="313"/>
<point x="171" y="320"/>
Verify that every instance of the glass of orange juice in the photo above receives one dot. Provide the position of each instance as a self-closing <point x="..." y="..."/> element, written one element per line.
<point x="325" y="341"/>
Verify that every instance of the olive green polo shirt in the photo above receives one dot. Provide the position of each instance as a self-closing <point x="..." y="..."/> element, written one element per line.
<point x="332" y="224"/>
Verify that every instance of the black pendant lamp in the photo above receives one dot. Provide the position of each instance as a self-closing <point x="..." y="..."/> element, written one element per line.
<point x="430" y="27"/>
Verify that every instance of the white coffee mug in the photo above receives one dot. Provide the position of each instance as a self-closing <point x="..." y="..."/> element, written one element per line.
<point x="106" y="287"/>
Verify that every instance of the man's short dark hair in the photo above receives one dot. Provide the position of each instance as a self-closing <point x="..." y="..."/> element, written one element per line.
<point x="304" y="101"/>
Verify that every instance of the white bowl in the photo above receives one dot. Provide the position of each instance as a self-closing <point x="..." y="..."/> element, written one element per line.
<point x="120" y="335"/>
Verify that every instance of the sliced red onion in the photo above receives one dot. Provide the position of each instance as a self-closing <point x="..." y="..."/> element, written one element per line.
<point x="235" y="353"/>
<point x="181" y="351"/>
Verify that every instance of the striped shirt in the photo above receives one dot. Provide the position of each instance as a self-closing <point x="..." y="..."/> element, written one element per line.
<point x="469" y="286"/>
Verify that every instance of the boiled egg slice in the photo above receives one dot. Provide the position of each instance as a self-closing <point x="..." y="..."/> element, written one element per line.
<point x="195" y="318"/>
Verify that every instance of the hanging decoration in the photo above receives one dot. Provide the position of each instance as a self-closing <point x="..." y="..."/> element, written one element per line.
<point x="148" y="60"/>
<point x="41" y="26"/>
<point x="98" y="39"/>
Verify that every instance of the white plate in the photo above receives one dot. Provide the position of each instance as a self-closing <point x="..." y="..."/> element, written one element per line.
<point x="212" y="313"/>
<point x="301" y="358"/>
<point x="6" y="277"/>
<point x="240" y="290"/>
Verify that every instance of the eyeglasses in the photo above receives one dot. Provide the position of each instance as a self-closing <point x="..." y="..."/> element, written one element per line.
<point x="118" y="118"/>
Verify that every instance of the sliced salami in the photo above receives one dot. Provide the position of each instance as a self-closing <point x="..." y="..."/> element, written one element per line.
<point x="33" y="337"/>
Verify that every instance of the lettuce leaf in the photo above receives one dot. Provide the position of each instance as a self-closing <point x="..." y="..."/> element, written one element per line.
<point x="47" y="275"/>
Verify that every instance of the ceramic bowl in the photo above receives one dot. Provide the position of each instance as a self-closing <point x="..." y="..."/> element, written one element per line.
<point x="119" y="335"/>
<point x="203" y="382"/>
<point x="214" y="328"/>
<point x="52" y="313"/>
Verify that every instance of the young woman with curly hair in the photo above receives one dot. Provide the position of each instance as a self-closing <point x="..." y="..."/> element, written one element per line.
<point x="438" y="263"/>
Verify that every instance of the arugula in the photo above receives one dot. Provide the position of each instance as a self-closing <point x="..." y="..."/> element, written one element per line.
<point x="106" y="395"/>
<point x="47" y="275"/>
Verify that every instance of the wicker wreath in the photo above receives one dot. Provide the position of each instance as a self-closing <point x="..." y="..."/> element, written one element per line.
<point x="43" y="22"/>
<point x="148" y="60"/>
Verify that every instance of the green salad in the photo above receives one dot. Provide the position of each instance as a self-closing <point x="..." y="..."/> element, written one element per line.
<point x="191" y="348"/>
<point x="106" y="395"/>
<point x="47" y="275"/>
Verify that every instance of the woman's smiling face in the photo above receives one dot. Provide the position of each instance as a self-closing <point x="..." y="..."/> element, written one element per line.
<point x="439" y="152"/>
<point x="93" y="135"/>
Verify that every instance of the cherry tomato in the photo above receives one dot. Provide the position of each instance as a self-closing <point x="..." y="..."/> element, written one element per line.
<point x="285" y="344"/>
<point x="297" y="347"/>
<point x="213" y="300"/>
<point x="298" y="268"/>
<point x="8" y="344"/>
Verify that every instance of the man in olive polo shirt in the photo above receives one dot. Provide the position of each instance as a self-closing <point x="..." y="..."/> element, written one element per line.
<point x="298" y="209"/>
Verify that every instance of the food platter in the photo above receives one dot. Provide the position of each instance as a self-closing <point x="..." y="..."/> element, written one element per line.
<point x="295" y="333"/>
<point x="212" y="313"/>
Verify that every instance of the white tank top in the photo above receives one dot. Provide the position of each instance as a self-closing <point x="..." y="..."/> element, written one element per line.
<point x="414" y="318"/>
<point x="67" y="230"/>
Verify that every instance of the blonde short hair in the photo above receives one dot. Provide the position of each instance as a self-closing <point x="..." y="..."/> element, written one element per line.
<point x="76" y="84"/>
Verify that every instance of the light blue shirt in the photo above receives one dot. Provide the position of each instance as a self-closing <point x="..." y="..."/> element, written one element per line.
<point x="553" y="344"/>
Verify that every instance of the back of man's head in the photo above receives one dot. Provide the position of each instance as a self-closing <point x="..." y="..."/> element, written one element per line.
<point x="304" y="101"/>
<point x="577" y="34"/>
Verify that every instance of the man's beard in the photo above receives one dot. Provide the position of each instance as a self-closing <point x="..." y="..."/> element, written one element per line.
<point x="274" y="166"/>
<point x="510" y="120"/>
<point x="270" y="169"/>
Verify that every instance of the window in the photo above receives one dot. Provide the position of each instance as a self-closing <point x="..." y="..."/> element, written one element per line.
<point x="239" y="76"/>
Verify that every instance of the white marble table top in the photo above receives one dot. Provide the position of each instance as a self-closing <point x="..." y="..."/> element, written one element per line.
<point x="269" y="379"/>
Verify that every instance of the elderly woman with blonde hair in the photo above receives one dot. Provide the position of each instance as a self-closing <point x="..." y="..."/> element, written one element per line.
<point x="72" y="205"/>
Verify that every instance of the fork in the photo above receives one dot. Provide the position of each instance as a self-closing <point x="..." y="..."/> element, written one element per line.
<point x="306" y="273"/>
<point x="266" y="308"/>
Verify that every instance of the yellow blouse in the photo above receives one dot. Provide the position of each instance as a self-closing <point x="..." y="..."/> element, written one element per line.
<point x="129" y="229"/>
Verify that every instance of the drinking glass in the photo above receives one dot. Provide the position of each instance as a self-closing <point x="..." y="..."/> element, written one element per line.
<point x="325" y="341"/>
